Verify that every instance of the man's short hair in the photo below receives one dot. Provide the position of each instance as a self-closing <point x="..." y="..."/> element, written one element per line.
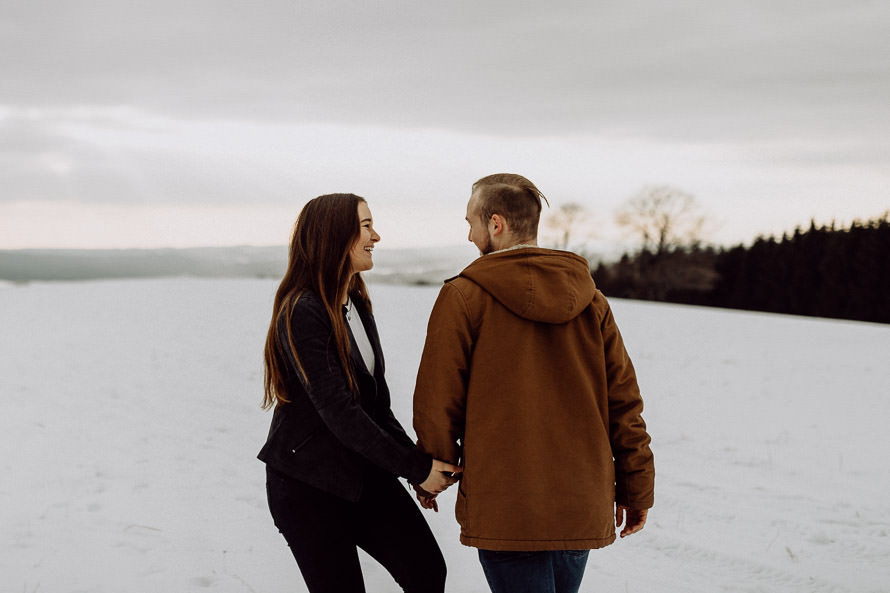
<point x="515" y="198"/>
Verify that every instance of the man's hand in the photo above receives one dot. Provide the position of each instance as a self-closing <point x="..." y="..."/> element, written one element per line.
<point x="442" y="475"/>
<point x="633" y="519"/>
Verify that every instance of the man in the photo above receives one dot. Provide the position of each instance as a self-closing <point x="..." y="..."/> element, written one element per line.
<point x="525" y="382"/>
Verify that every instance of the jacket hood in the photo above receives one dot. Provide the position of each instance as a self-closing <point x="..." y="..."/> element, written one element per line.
<point x="535" y="283"/>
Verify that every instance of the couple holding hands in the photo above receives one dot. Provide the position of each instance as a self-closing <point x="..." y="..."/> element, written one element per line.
<point x="525" y="396"/>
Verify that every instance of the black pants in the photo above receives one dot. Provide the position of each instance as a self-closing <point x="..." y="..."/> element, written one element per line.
<point x="324" y="533"/>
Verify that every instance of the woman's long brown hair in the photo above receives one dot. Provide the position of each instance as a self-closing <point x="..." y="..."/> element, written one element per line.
<point x="324" y="234"/>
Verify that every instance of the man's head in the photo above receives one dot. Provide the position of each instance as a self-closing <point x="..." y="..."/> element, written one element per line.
<point x="503" y="211"/>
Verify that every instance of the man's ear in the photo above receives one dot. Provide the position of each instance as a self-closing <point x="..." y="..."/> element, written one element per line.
<point x="497" y="225"/>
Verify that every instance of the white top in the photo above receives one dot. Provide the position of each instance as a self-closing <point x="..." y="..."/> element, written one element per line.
<point x="354" y="320"/>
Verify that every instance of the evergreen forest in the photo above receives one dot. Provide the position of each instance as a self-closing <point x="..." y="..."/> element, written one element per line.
<point x="820" y="271"/>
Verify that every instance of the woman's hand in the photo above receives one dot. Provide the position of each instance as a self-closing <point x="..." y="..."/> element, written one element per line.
<point x="442" y="475"/>
<point x="426" y="500"/>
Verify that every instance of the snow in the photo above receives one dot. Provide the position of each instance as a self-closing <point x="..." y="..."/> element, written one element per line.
<point x="130" y="421"/>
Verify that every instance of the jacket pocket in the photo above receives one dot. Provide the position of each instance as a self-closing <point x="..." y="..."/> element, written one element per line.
<point x="301" y="440"/>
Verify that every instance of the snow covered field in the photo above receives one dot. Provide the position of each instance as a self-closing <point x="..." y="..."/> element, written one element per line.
<point x="130" y="421"/>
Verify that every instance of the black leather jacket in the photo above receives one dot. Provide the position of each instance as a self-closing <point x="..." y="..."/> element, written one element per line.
<point x="326" y="436"/>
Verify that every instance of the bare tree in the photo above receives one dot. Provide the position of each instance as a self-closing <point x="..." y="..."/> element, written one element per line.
<point x="669" y="223"/>
<point x="663" y="217"/>
<point x="564" y="220"/>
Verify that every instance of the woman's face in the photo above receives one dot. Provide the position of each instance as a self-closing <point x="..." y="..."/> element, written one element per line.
<point x="360" y="254"/>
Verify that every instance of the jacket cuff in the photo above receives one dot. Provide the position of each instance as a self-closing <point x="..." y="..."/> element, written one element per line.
<point x="422" y="466"/>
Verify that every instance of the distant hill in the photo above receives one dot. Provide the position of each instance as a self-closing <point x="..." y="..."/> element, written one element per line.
<point x="91" y="264"/>
<point x="401" y="266"/>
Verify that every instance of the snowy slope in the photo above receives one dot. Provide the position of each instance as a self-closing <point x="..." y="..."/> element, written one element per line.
<point x="130" y="420"/>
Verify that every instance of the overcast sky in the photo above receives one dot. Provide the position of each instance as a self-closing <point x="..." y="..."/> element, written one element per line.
<point x="162" y="123"/>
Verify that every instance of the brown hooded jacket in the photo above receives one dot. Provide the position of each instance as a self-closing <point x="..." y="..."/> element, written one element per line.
<point x="525" y="381"/>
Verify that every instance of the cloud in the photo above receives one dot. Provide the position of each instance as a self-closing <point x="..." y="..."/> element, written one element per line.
<point x="681" y="69"/>
<point x="244" y="106"/>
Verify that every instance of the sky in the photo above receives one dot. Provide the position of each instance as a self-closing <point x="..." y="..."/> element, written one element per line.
<point x="198" y="123"/>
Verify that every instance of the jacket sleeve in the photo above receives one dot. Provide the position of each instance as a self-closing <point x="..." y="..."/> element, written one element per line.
<point x="395" y="428"/>
<point x="634" y="464"/>
<point x="385" y="417"/>
<point x="440" y="392"/>
<point x="340" y="410"/>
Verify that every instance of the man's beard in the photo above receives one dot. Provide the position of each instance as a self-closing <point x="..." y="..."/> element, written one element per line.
<point x="487" y="248"/>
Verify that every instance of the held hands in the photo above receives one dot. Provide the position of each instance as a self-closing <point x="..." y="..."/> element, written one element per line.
<point x="426" y="500"/>
<point x="633" y="519"/>
<point x="442" y="475"/>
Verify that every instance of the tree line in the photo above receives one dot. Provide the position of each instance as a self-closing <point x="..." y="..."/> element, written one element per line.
<point x="825" y="271"/>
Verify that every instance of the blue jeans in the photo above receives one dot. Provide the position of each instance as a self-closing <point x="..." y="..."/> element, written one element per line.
<point x="557" y="571"/>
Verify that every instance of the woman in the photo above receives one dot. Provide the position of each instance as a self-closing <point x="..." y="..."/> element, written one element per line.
<point x="335" y="450"/>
